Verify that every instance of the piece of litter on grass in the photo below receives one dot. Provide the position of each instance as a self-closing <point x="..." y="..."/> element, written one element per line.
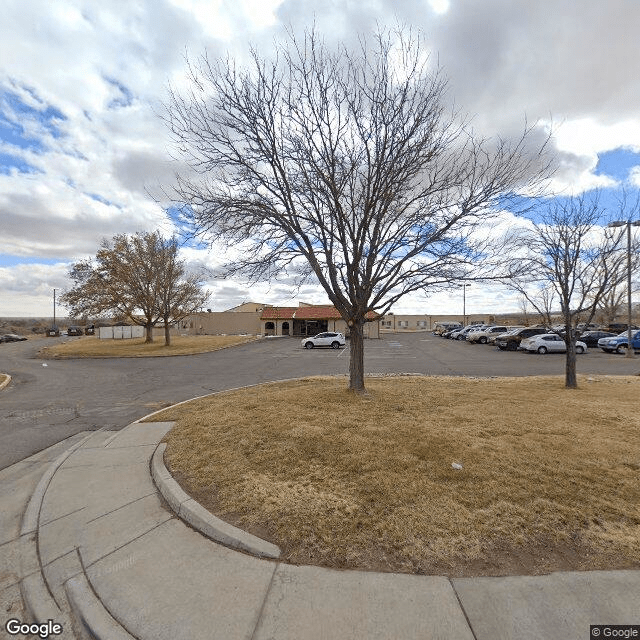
<point x="456" y="465"/>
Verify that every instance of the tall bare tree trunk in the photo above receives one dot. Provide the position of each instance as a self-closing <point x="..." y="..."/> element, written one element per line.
<point x="356" y="361"/>
<point x="570" y="377"/>
<point x="167" y="335"/>
<point x="149" y="333"/>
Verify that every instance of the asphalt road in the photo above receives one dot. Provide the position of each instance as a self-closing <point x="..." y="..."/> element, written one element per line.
<point x="46" y="404"/>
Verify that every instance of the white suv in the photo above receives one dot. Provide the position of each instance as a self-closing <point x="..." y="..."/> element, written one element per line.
<point x="326" y="339"/>
<point x="482" y="335"/>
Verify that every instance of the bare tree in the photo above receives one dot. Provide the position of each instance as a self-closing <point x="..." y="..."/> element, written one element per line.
<point x="569" y="262"/>
<point x="344" y="166"/>
<point x="138" y="278"/>
<point x="612" y="301"/>
<point x="180" y="294"/>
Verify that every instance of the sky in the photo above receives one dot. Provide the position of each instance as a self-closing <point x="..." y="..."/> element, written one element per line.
<point x="83" y="148"/>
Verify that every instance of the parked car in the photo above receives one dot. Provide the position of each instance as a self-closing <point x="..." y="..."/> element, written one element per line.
<point x="587" y="327"/>
<point x="549" y="342"/>
<point x="74" y="331"/>
<point x="461" y="334"/>
<point x="619" y="327"/>
<point x="482" y="335"/>
<point x="511" y="341"/>
<point x="444" y="327"/>
<point x="493" y="337"/>
<point x="11" y="337"/>
<point x="590" y="338"/>
<point x="620" y="343"/>
<point x="325" y="339"/>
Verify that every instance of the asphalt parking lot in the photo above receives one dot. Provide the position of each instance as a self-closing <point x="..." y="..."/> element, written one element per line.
<point x="46" y="404"/>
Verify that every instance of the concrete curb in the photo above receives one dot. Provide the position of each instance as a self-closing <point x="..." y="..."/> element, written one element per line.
<point x="246" y="386"/>
<point x="94" y="622"/>
<point x="39" y="604"/>
<point x="37" y="598"/>
<point x="32" y="512"/>
<point x="187" y="509"/>
<point x="6" y="381"/>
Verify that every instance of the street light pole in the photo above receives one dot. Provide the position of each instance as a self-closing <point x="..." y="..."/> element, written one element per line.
<point x="464" y="303"/>
<point x="628" y="223"/>
<point x="630" y="353"/>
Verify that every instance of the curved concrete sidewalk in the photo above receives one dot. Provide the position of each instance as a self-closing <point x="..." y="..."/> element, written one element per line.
<point x="103" y="549"/>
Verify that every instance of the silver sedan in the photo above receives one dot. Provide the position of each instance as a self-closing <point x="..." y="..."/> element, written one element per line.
<point x="549" y="342"/>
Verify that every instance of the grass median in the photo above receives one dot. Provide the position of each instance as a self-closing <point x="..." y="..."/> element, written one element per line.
<point x="92" y="347"/>
<point x="4" y="378"/>
<point x="550" y="477"/>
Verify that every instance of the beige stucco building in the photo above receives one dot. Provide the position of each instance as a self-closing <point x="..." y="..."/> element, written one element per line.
<point x="263" y="319"/>
<point x="426" y="322"/>
<point x="308" y="320"/>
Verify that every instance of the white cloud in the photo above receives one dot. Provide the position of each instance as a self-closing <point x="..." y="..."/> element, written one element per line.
<point x="105" y="67"/>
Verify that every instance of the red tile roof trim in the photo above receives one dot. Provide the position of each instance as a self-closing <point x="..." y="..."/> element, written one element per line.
<point x="273" y="313"/>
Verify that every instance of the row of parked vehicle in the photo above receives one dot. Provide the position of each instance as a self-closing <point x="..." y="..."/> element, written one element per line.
<point x="11" y="337"/>
<point x="540" y="339"/>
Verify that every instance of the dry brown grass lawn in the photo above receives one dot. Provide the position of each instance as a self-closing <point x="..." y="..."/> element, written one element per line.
<point x="93" y="347"/>
<point x="550" y="478"/>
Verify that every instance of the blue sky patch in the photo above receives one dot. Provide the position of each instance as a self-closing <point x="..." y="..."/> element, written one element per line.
<point x="125" y="99"/>
<point x="7" y="260"/>
<point x="179" y="215"/>
<point x="99" y="198"/>
<point x="13" y="134"/>
<point x="9" y="162"/>
<point x="14" y="114"/>
<point x="617" y="163"/>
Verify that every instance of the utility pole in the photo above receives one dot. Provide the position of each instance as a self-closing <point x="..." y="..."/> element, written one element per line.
<point x="628" y="223"/>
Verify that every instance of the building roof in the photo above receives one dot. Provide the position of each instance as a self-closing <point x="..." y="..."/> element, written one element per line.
<point x="317" y="312"/>
<point x="307" y="312"/>
<point x="273" y="313"/>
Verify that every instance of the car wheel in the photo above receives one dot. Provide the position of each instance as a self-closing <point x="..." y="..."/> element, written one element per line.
<point x="482" y="340"/>
<point x="461" y="338"/>
<point x="512" y="346"/>
<point x="579" y="349"/>
<point x="335" y="345"/>
<point x="622" y="348"/>
<point x="308" y="345"/>
<point x="542" y="350"/>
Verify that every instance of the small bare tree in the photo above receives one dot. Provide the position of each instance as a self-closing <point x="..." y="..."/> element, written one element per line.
<point x="138" y="278"/>
<point x="343" y="166"/>
<point x="180" y="294"/>
<point x="569" y="262"/>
